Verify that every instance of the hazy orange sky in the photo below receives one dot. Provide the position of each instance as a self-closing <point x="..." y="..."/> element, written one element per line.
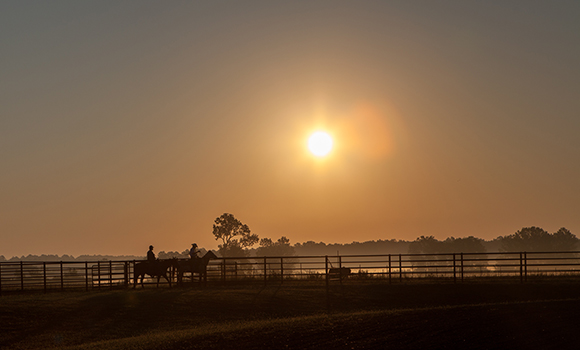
<point x="129" y="123"/>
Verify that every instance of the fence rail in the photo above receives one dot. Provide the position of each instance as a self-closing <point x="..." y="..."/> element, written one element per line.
<point x="395" y="268"/>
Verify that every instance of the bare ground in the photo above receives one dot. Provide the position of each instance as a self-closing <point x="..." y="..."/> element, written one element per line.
<point x="300" y="316"/>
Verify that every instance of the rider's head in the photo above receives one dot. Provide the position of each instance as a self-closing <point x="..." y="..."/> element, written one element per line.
<point x="194" y="245"/>
<point x="150" y="247"/>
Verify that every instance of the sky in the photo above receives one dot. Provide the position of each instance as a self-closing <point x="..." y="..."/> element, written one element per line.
<point x="130" y="123"/>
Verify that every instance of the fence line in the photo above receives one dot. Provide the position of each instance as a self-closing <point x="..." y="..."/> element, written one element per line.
<point x="394" y="268"/>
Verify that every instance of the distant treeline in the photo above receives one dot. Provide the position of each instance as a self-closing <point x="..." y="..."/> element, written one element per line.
<point x="527" y="239"/>
<point x="65" y="257"/>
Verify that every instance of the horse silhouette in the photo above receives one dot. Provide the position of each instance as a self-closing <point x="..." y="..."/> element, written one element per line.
<point x="339" y="272"/>
<point x="154" y="269"/>
<point x="198" y="266"/>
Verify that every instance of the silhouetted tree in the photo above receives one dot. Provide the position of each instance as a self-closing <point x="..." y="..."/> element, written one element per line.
<point x="425" y="245"/>
<point x="463" y="245"/>
<point x="533" y="238"/>
<point x="281" y="247"/>
<point x="171" y="254"/>
<point x="430" y="245"/>
<point x="235" y="236"/>
<point x="564" y="240"/>
<point x="392" y="246"/>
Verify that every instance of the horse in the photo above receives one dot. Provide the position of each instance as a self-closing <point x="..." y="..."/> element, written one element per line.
<point x="198" y="266"/>
<point x="338" y="272"/>
<point x="154" y="269"/>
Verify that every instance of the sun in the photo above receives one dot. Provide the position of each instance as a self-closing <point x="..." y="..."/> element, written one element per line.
<point x="320" y="143"/>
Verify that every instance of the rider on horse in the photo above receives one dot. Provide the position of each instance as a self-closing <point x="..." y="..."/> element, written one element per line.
<point x="193" y="254"/>
<point x="151" y="257"/>
<point x="193" y="251"/>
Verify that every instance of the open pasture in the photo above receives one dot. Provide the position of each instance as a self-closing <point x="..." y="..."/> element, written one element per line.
<point x="298" y="316"/>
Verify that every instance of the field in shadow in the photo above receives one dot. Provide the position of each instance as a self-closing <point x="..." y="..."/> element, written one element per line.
<point x="299" y="316"/>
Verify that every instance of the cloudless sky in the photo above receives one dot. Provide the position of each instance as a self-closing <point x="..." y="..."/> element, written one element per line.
<point x="129" y="123"/>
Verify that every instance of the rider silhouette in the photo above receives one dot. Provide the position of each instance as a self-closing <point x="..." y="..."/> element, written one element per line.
<point x="150" y="255"/>
<point x="194" y="259"/>
<point x="193" y="251"/>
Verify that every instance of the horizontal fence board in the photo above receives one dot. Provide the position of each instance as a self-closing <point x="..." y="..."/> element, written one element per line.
<point x="51" y="275"/>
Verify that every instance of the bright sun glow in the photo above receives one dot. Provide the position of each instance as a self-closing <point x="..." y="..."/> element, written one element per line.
<point x="320" y="143"/>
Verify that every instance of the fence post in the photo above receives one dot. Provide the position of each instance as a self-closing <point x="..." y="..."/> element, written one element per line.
<point x="340" y="269"/>
<point x="236" y="270"/>
<point x="87" y="276"/>
<point x="281" y="270"/>
<point x="0" y="278"/>
<point x="126" y="273"/>
<point x="99" y="274"/>
<point x="525" y="266"/>
<point x="265" y="271"/>
<point x="326" y="270"/>
<point x="111" y="274"/>
<point x="390" y="271"/>
<point x="400" y="268"/>
<point x="61" y="276"/>
<point x="521" y="267"/>
<point x="134" y="277"/>
<point x="461" y="267"/>
<point x="454" y="270"/>
<point x="44" y="275"/>
<point x="21" y="275"/>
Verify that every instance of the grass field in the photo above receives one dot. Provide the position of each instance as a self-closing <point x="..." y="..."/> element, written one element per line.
<point x="299" y="316"/>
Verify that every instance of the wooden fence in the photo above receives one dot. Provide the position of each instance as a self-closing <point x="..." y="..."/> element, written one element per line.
<point x="394" y="268"/>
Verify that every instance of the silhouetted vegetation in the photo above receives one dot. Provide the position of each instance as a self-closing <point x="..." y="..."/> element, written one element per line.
<point x="430" y="245"/>
<point x="65" y="257"/>
<point x="536" y="239"/>
<point x="237" y="240"/>
<point x="355" y="248"/>
<point x="235" y="236"/>
<point x="281" y="247"/>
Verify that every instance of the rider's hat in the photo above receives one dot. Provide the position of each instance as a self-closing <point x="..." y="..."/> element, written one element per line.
<point x="194" y="244"/>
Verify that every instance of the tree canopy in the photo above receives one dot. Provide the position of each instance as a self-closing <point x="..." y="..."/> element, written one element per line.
<point x="537" y="239"/>
<point x="281" y="247"/>
<point x="235" y="235"/>
<point x="430" y="245"/>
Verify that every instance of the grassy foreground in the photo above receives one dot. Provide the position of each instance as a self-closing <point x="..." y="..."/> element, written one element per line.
<point x="299" y="316"/>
